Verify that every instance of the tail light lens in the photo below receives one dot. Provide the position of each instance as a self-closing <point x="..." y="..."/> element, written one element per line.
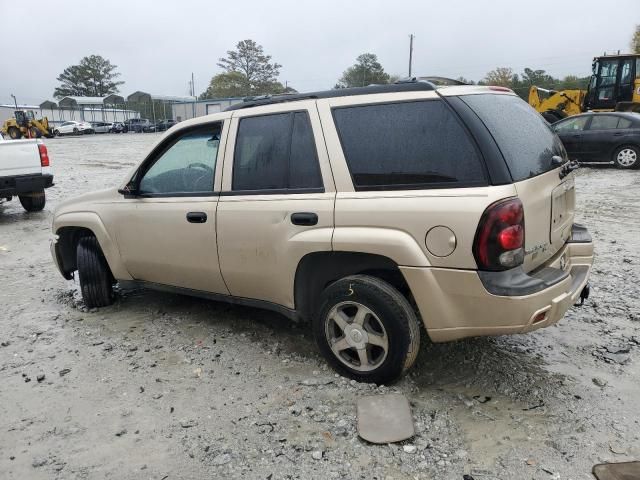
<point x="499" y="241"/>
<point x="44" y="155"/>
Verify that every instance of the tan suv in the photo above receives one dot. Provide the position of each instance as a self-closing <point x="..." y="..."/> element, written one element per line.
<point x="369" y="211"/>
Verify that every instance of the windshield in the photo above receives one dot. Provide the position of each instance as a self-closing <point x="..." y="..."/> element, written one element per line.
<point x="523" y="136"/>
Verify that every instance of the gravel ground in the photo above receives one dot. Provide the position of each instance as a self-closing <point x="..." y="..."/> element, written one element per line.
<point x="164" y="386"/>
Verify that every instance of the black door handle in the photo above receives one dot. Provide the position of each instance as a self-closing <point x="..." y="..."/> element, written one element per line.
<point x="196" y="217"/>
<point x="618" y="134"/>
<point x="304" y="218"/>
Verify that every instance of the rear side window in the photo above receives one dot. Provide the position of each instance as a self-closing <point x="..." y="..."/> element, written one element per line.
<point x="523" y="136"/>
<point x="407" y="145"/>
<point x="276" y="152"/>
<point x="624" y="123"/>
<point x="603" y="122"/>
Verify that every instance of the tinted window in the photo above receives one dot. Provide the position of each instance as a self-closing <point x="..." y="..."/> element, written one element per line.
<point x="304" y="171"/>
<point x="406" y="145"/>
<point x="571" y="125"/>
<point x="187" y="166"/>
<point x="275" y="152"/>
<point x="524" y="137"/>
<point x="603" y="122"/>
<point x="624" y="123"/>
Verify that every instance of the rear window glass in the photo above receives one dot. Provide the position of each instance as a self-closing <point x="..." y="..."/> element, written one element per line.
<point x="524" y="137"/>
<point x="407" y="145"/>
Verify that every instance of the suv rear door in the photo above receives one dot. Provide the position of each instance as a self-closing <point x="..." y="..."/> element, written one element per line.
<point x="277" y="200"/>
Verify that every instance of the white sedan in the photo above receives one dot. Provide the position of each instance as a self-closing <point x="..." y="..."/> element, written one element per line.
<point x="73" y="128"/>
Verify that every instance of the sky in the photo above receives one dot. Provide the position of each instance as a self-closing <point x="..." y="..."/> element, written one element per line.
<point x="158" y="44"/>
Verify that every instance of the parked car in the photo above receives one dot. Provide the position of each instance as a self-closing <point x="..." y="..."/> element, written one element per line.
<point x="371" y="211"/>
<point x="611" y="137"/>
<point x="164" y="125"/>
<point x="149" y="128"/>
<point x="25" y="172"/>
<point x="102" y="127"/>
<point x="117" y="127"/>
<point x="73" y="128"/>
<point x="136" y="125"/>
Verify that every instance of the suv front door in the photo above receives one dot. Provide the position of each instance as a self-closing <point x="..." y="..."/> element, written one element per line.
<point x="277" y="200"/>
<point x="167" y="230"/>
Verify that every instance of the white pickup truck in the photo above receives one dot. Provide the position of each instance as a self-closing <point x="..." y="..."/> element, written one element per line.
<point x="25" y="172"/>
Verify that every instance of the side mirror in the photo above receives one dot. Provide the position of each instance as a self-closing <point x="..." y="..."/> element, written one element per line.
<point x="129" y="189"/>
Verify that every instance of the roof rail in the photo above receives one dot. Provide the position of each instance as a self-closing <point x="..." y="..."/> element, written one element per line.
<point x="405" y="85"/>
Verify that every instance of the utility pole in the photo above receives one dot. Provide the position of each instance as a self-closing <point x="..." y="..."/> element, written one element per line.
<point x="410" y="53"/>
<point x="193" y="94"/>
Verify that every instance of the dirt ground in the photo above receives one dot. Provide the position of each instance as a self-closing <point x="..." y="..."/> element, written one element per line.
<point x="162" y="386"/>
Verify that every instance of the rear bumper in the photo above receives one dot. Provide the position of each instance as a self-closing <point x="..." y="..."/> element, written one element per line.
<point x="460" y="303"/>
<point x="20" y="184"/>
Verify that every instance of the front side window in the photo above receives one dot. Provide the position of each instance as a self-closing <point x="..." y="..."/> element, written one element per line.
<point x="276" y="152"/>
<point x="407" y="145"/>
<point x="575" y="124"/>
<point x="187" y="166"/>
<point x="603" y="122"/>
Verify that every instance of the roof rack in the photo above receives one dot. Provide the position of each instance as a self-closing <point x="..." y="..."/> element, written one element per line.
<point x="405" y="85"/>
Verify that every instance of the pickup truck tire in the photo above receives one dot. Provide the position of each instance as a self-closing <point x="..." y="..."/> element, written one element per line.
<point x="366" y="329"/>
<point x="96" y="281"/>
<point x="34" y="202"/>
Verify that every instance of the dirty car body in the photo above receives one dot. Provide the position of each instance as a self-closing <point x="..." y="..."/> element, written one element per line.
<point x="372" y="212"/>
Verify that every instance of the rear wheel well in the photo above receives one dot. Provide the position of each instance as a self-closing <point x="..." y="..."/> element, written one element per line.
<point x="67" y="246"/>
<point x="318" y="270"/>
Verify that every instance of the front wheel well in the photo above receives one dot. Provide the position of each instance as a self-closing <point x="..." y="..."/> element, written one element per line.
<point x="318" y="270"/>
<point x="67" y="245"/>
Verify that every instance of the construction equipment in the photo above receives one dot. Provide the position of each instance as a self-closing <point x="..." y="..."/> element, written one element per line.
<point x="25" y="124"/>
<point x="614" y="86"/>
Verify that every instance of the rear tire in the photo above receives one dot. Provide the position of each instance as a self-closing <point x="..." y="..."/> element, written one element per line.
<point x="96" y="280"/>
<point x="33" y="202"/>
<point x="366" y="329"/>
<point x="627" y="157"/>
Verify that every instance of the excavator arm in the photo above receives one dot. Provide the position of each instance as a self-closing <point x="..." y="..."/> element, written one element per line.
<point x="555" y="105"/>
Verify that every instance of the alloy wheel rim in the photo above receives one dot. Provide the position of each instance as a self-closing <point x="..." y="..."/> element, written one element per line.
<point x="627" y="157"/>
<point x="356" y="336"/>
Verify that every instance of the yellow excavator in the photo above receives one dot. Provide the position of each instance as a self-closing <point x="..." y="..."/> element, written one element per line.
<point x="614" y="86"/>
<point x="25" y="124"/>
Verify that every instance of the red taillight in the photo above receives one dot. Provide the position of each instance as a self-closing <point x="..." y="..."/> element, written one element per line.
<point x="44" y="155"/>
<point x="511" y="237"/>
<point x="499" y="242"/>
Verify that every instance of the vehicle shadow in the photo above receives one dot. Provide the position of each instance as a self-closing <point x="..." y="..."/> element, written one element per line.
<point x="512" y="366"/>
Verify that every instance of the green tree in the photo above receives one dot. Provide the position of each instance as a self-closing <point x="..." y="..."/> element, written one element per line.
<point x="94" y="76"/>
<point x="539" y="78"/>
<point x="232" y="84"/>
<point x="573" y="82"/>
<point x="635" y="40"/>
<point x="366" y="71"/>
<point x="501" y="76"/>
<point x="248" y="71"/>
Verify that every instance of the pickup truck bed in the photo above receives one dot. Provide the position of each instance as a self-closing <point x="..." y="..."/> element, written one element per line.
<point x="25" y="172"/>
